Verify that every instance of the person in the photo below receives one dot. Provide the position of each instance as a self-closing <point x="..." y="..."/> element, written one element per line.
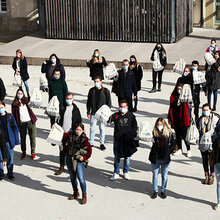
<point x="96" y="65"/>
<point x="125" y="132"/>
<point x="213" y="47"/>
<point x="163" y="145"/>
<point x="57" y="87"/>
<point x="50" y="65"/>
<point x="21" y="68"/>
<point x="186" y="78"/>
<point x="2" y="90"/>
<point x="179" y="119"/>
<point x="216" y="163"/>
<point x="159" y="56"/>
<point x="97" y="97"/>
<point x="26" y="121"/>
<point x="3" y="154"/>
<point x="213" y="80"/>
<point x="69" y="117"/>
<point x="9" y="129"/>
<point x="208" y="122"/>
<point x="138" y="73"/>
<point x="78" y="152"/>
<point x="126" y="85"/>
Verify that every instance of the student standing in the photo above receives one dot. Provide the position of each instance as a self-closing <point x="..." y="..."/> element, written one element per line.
<point x="163" y="146"/>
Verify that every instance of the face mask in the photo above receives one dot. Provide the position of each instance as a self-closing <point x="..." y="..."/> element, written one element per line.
<point x="123" y="110"/>
<point x="185" y="73"/>
<point x="2" y="111"/>
<point x="53" y="60"/>
<point x="216" y="57"/>
<point x="132" y="62"/>
<point x="96" y="54"/>
<point x="125" y="68"/>
<point x="159" y="48"/>
<point x="18" y="55"/>
<point x="179" y="91"/>
<point x="212" y="45"/>
<point x="194" y="67"/>
<point x="69" y="102"/>
<point x="160" y="127"/>
<point x="206" y="113"/>
<point x="78" y="133"/>
<point x="20" y="96"/>
<point x="56" y="77"/>
<point x="97" y="84"/>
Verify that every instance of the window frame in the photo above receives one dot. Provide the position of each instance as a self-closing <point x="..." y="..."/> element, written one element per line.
<point x="3" y="12"/>
<point x="216" y="4"/>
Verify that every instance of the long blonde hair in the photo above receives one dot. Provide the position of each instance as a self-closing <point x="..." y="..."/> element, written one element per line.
<point x="19" y="51"/>
<point x="166" y="128"/>
<point x="97" y="59"/>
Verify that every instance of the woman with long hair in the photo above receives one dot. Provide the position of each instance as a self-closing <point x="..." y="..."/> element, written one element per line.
<point x="96" y="64"/>
<point x="21" y="68"/>
<point x="163" y="146"/>
<point x="26" y="121"/>
<point x="159" y="59"/>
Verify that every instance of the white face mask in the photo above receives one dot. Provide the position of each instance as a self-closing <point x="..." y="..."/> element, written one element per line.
<point x="19" y="96"/>
<point x="212" y="45"/>
<point x="179" y="91"/>
<point x="123" y="110"/>
<point x="185" y="73"/>
<point x="160" y="127"/>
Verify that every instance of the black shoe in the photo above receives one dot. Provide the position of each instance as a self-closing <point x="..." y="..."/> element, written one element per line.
<point x="134" y="109"/>
<point x="102" y="147"/>
<point x="163" y="195"/>
<point x="11" y="178"/>
<point x="159" y="90"/>
<point x="154" y="195"/>
<point x="152" y="90"/>
<point x="214" y="108"/>
<point x="1" y="178"/>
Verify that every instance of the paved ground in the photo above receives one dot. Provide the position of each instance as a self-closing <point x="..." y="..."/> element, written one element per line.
<point x="38" y="194"/>
<point x="73" y="52"/>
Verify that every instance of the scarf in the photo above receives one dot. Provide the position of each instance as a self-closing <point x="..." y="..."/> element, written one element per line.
<point x="205" y="124"/>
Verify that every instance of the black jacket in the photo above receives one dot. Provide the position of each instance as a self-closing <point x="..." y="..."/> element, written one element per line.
<point x="2" y="90"/>
<point x="48" y="69"/>
<point x="104" y="99"/>
<point x="96" y="69"/>
<point x="163" y="57"/>
<point x="170" y="146"/>
<point x="186" y="80"/>
<point x="3" y="146"/>
<point x="76" y="116"/>
<point x="126" y="85"/>
<point x="212" y="76"/>
<point x="138" y="73"/>
<point x="23" y="69"/>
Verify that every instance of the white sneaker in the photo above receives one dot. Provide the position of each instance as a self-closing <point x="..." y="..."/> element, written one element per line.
<point x="114" y="177"/>
<point x="189" y="153"/>
<point x="217" y="207"/>
<point x="178" y="152"/>
<point x="126" y="176"/>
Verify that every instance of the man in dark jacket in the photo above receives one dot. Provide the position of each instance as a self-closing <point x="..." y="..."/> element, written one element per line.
<point x="97" y="97"/>
<point x="3" y="153"/>
<point x="2" y="90"/>
<point x="69" y="117"/>
<point x="126" y="85"/>
<point x="124" y="133"/>
<point x="9" y="129"/>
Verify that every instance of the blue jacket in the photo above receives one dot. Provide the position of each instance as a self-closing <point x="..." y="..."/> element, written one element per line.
<point x="13" y="131"/>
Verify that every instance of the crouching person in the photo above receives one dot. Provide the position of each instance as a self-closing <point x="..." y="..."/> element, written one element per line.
<point x="163" y="146"/>
<point x="125" y="132"/>
<point x="78" y="151"/>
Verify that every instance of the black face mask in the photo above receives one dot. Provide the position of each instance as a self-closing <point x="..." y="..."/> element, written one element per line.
<point x="159" y="48"/>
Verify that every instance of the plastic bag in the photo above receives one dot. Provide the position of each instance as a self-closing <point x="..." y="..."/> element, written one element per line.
<point x="192" y="136"/>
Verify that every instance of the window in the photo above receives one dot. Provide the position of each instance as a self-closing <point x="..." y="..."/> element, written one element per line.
<point x="3" y="7"/>
<point x="217" y="11"/>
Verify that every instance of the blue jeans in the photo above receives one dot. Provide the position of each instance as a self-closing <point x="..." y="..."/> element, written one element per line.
<point x="10" y="161"/>
<point x="164" y="172"/>
<point x="93" y="128"/>
<point x="79" y="173"/>
<point x="217" y="174"/>
<point x="215" y="93"/>
<point x="117" y="159"/>
<point x="26" y="86"/>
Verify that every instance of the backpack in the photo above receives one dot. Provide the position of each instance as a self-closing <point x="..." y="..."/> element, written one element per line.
<point x="186" y="94"/>
<point x="179" y="66"/>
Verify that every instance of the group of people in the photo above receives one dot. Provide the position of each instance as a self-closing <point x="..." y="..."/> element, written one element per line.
<point x="77" y="148"/>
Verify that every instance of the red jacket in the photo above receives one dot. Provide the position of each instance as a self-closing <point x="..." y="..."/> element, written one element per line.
<point x="184" y="113"/>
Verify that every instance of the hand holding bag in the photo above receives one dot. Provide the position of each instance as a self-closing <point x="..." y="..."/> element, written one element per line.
<point x="17" y="80"/>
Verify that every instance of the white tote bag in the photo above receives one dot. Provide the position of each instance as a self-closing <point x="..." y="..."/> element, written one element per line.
<point x="156" y="64"/>
<point x="17" y="80"/>
<point x="55" y="135"/>
<point x="209" y="58"/>
<point x="43" y="82"/>
<point x="103" y="114"/>
<point x="145" y="131"/>
<point x="111" y="71"/>
<point x="192" y="136"/>
<point x="36" y="98"/>
<point x="198" y="77"/>
<point x="186" y="94"/>
<point x="53" y="107"/>
<point x="206" y="142"/>
<point x="179" y="66"/>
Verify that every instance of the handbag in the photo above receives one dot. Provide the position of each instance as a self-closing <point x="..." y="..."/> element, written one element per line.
<point x="17" y="80"/>
<point x="53" y="107"/>
<point x="43" y="83"/>
<point x="192" y="136"/>
<point x="103" y="114"/>
<point x="145" y="131"/>
<point x="36" y="98"/>
<point x="56" y="135"/>
<point x="179" y="66"/>
<point x="111" y="71"/>
<point x="206" y="142"/>
<point x="198" y="77"/>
